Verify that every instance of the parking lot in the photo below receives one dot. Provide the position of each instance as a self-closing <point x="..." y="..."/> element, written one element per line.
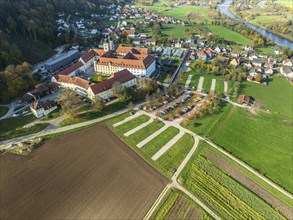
<point x="178" y="105"/>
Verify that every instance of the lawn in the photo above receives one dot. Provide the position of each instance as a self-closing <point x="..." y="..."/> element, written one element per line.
<point x="263" y="141"/>
<point x="207" y="81"/>
<point x="176" y="30"/>
<point x="94" y="114"/>
<point x="223" y="194"/>
<point x="181" y="12"/>
<point x="229" y="35"/>
<point x="22" y="131"/>
<point x="176" y="205"/>
<point x="174" y="156"/>
<point x="171" y="159"/>
<point x="10" y="124"/>
<point x="287" y="3"/>
<point x="276" y="97"/>
<point x="3" y="111"/>
<point x="267" y="50"/>
<point x="133" y="123"/>
<point x="54" y="114"/>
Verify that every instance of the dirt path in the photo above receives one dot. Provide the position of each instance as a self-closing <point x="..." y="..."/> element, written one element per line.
<point x="138" y="127"/>
<point x="200" y="83"/>
<point x="242" y="178"/>
<point x="167" y="146"/>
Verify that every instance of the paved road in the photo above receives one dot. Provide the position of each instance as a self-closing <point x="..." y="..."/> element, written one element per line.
<point x="7" y="143"/>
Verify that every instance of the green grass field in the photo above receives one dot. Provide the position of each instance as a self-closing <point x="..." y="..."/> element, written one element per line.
<point x="22" y="131"/>
<point x="263" y="141"/>
<point x="207" y="81"/>
<point x="224" y="195"/>
<point x="94" y="114"/>
<point x="133" y="123"/>
<point x="229" y="35"/>
<point x="276" y="97"/>
<point x="10" y="124"/>
<point x="3" y="111"/>
<point x="287" y="3"/>
<point x="176" y="205"/>
<point x="181" y="12"/>
<point x="176" y="30"/>
<point x="170" y="159"/>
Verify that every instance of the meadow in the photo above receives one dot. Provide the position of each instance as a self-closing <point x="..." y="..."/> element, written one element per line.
<point x="170" y="159"/>
<point x="263" y="141"/>
<point x="276" y="97"/>
<point x="229" y="35"/>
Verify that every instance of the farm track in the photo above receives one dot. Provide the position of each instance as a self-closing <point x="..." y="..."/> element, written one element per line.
<point x="89" y="174"/>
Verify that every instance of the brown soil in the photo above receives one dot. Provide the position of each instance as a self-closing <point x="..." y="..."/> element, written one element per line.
<point x="250" y="184"/>
<point x="89" y="174"/>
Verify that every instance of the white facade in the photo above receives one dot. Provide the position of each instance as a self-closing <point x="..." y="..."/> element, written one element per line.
<point x="41" y="111"/>
<point x="109" y="93"/>
<point x="109" y="69"/>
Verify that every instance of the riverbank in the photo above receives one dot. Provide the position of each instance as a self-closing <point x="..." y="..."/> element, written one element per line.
<point x="277" y="39"/>
<point x="258" y="26"/>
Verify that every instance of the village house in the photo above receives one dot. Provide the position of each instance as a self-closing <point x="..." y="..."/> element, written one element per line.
<point x="248" y="48"/>
<point x="287" y="62"/>
<point x="40" y="109"/>
<point x="287" y="71"/>
<point x="244" y="99"/>
<point x="235" y="54"/>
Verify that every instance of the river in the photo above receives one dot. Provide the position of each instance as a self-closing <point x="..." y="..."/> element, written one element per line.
<point x="275" y="38"/>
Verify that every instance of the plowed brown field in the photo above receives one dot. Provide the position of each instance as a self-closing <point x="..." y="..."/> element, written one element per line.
<point x="89" y="174"/>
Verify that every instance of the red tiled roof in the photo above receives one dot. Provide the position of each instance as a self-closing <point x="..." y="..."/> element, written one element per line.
<point x="71" y="69"/>
<point x="88" y="55"/>
<point x="74" y="80"/>
<point x="125" y="50"/>
<point x="122" y="76"/>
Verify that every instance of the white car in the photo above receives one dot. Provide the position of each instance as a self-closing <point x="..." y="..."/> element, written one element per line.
<point x="14" y="115"/>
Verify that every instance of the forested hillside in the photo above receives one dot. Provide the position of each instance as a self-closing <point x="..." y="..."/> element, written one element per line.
<point x="34" y="20"/>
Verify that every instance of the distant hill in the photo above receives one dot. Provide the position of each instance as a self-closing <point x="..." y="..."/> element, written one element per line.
<point x="34" y="20"/>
